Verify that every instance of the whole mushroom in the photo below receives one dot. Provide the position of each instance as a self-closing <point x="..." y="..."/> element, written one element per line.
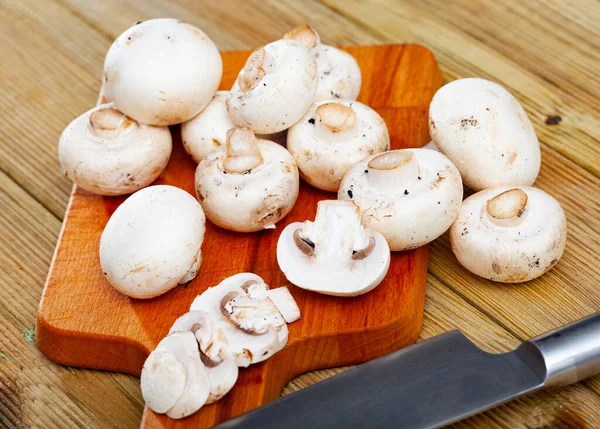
<point x="486" y="133"/>
<point x="207" y="131"/>
<point x="333" y="136"/>
<point x="106" y="152"/>
<point x="162" y="71"/>
<point x="153" y="241"/>
<point x="335" y="254"/>
<point x="249" y="185"/>
<point x="411" y="196"/>
<point x="339" y="73"/>
<point x="509" y="234"/>
<point x="275" y="88"/>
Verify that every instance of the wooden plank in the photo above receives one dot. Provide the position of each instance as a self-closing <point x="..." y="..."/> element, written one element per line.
<point x="35" y="392"/>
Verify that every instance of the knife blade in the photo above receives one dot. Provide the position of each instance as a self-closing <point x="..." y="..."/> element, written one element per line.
<point x="434" y="383"/>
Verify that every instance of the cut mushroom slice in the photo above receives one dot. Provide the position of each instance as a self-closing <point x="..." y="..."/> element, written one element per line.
<point x="174" y="380"/>
<point x="333" y="136"/>
<point x="248" y="186"/>
<point x="486" y="133"/>
<point x="411" y="196"/>
<point x="508" y="234"/>
<point x="222" y="375"/>
<point x="275" y="88"/>
<point x="207" y="131"/>
<point x="335" y="254"/>
<point x="285" y="303"/>
<point x="339" y="73"/>
<point x="107" y="153"/>
<point x="153" y="241"/>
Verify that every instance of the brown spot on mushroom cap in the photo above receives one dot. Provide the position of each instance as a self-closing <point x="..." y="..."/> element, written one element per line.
<point x="304" y="34"/>
<point x="336" y="117"/>
<point x="305" y="245"/>
<point x="390" y="160"/>
<point x="363" y="253"/>
<point x="511" y="158"/>
<point x="507" y="205"/>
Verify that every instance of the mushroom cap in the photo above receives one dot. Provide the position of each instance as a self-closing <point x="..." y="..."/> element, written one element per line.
<point x="251" y="201"/>
<point x="332" y="266"/>
<point x="486" y="133"/>
<point x="411" y="196"/>
<point x="324" y="150"/>
<point x="245" y="346"/>
<point x="275" y="88"/>
<point x="152" y="241"/>
<point x="207" y="131"/>
<point x="107" y="153"/>
<point x="162" y="71"/>
<point x="509" y="234"/>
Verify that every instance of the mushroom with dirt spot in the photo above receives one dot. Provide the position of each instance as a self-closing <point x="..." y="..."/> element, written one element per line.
<point x="162" y="71"/>
<point x="108" y="153"/>
<point x="509" y="234"/>
<point x="249" y="185"/>
<point x="411" y="196"/>
<point x="486" y="133"/>
<point x="339" y="73"/>
<point x="275" y="88"/>
<point x="335" y="254"/>
<point x="333" y="136"/>
<point x="152" y="242"/>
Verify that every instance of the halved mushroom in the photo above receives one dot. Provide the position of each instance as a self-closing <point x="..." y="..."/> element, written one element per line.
<point x="509" y="234"/>
<point x="411" y="196"/>
<point x="335" y="254"/>
<point x="107" y="153"/>
<point x="275" y="88"/>
<point x="252" y="326"/>
<point x="153" y="241"/>
<point x="333" y="136"/>
<point x="339" y="73"/>
<point x="207" y="131"/>
<point x="486" y="133"/>
<point x="174" y="380"/>
<point x="249" y="185"/>
<point x="162" y="71"/>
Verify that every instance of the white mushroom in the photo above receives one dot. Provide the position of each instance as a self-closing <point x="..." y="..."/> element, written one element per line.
<point x="339" y="73"/>
<point x="107" y="153"/>
<point x="333" y="136"/>
<point x="411" y="196"/>
<point x="249" y="185"/>
<point x="335" y="254"/>
<point x="509" y="234"/>
<point x="162" y="71"/>
<point x="152" y="242"/>
<point x="486" y="133"/>
<point x="174" y="380"/>
<point x="207" y="131"/>
<point x="275" y="88"/>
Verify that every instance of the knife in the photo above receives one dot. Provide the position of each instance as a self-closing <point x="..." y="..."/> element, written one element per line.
<point x="434" y="383"/>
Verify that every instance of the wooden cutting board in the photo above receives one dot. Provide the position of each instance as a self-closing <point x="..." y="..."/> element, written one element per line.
<point x="82" y="321"/>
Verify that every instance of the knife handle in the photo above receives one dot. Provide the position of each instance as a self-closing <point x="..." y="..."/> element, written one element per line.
<point x="570" y="353"/>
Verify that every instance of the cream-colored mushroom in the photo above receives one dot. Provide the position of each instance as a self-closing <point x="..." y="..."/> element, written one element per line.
<point x="509" y="234"/>
<point x="162" y="71"/>
<point x="249" y="185"/>
<point x="486" y="133"/>
<point x="275" y="88"/>
<point x="207" y="131"/>
<point x="333" y="136"/>
<point x="339" y="73"/>
<point x="153" y="241"/>
<point x="411" y="196"/>
<point x="335" y="254"/>
<point x="107" y="153"/>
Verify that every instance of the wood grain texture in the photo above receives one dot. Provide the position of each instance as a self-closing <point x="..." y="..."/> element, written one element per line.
<point x="84" y="322"/>
<point x="541" y="50"/>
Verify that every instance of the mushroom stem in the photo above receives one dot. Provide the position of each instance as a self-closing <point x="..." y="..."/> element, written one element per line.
<point x="306" y="35"/>
<point x="335" y="123"/>
<point x="108" y="122"/>
<point x="255" y="69"/>
<point x="242" y="151"/>
<point x="395" y="169"/>
<point x="507" y="209"/>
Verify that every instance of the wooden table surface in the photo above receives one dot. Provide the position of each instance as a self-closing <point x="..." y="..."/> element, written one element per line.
<point x="545" y="52"/>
